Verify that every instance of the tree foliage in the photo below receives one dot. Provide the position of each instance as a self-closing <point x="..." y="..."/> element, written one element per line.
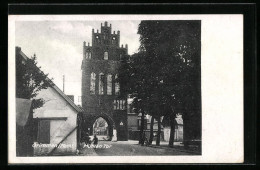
<point x="30" y="80"/>
<point x="164" y="76"/>
<point x="173" y="48"/>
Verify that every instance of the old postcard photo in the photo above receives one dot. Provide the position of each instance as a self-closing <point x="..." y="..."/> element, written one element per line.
<point x="125" y="89"/>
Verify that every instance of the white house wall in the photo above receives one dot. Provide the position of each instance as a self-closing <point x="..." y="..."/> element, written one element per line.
<point x="57" y="107"/>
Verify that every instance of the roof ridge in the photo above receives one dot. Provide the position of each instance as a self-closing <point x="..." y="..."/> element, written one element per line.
<point x="53" y="85"/>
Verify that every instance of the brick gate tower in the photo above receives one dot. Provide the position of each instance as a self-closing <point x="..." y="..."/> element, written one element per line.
<point x="100" y="92"/>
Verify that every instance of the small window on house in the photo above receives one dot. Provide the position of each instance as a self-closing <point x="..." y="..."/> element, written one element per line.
<point x="43" y="132"/>
<point x="105" y="55"/>
<point x="101" y="83"/>
<point x="92" y="83"/>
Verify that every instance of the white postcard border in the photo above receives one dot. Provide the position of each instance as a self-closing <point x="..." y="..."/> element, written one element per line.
<point x="222" y="91"/>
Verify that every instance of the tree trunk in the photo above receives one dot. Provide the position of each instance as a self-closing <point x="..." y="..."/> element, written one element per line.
<point x="171" y="141"/>
<point x="158" y="132"/>
<point x="151" y="131"/>
<point x="141" y="135"/>
<point x="185" y="133"/>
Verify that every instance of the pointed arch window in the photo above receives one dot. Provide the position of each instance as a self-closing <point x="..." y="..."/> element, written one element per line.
<point x="117" y="85"/>
<point x="101" y="83"/>
<point x="109" y="84"/>
<point x="88" y="55"/>
<point x="106" y="55"/>
<point x="92" y="83"/>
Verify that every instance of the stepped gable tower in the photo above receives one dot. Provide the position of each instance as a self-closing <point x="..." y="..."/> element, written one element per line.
<point x="100" y="92"/>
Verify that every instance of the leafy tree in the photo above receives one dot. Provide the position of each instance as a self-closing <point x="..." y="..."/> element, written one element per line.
<point x="132" y="78"/>
<point x="174" y="50"/>
<point x="164" y="77"/>
<point x="30" y="79"/>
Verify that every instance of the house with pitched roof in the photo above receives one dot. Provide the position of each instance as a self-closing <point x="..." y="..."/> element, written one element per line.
<point x="58" y="121"/>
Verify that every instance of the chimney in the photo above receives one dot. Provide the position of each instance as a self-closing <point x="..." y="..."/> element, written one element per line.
<point x="18" y="49"/>
<point x="126" y="46"/>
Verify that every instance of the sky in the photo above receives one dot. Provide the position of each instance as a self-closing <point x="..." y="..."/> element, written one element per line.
<point x="58" y="46"/>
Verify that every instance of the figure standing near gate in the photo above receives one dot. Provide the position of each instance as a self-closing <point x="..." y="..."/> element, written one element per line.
<point x="95" y="140"/>
<point x="87" y="139"/>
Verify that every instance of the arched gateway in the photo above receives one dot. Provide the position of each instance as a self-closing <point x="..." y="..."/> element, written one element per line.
<point x="101" y="96"/>
<point x="102" y="126"/>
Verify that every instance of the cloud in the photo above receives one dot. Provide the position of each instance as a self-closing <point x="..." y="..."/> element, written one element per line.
<point x="74" y="28"/>
<point x="82" y="29"/>
<point x="63" y="27"/>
